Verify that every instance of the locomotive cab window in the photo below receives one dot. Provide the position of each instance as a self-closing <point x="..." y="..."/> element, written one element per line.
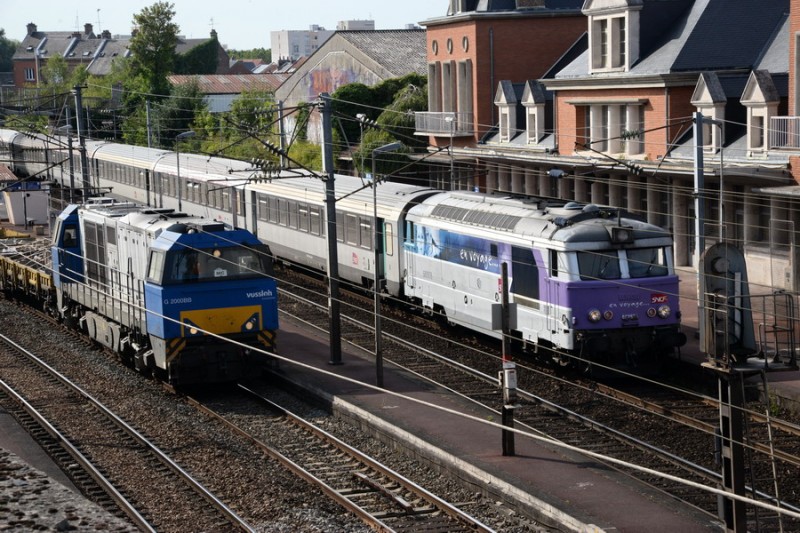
<point x="217" y="264"/>
<point x="647" y="262"/>
<point x="599" y="265"/>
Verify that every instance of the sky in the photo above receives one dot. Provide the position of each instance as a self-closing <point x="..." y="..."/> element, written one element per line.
<point x="240" y="24"/>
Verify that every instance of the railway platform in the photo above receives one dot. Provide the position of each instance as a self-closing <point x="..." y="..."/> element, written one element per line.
<point x="563" y="489"/>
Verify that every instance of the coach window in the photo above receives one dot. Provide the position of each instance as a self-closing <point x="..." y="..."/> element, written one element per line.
<point x="293" y="214"/>
<point x="263" y="207"/>
<point x="351" y="230"/>
<point x="365" y="227"/>
<point x="339" y="227"/>
<point x="302" y="217"/>
<point x="273" y="210"/>
<point x="388" y="238"/>
<point x="315" y="224"/>
<point x="283" y="212"/>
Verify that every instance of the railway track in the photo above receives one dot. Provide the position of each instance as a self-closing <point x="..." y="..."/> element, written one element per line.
<point x="381" y="497"/>
<point x="102" y="442"/>
<point x="667" y="431"/>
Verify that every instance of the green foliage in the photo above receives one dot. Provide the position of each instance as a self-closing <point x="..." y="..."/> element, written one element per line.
<point x="27" y="122"/>
<point x="153" y="47"/>
<point x="390" y="106"/>
<point x="264" y="54"/>
<point x="56" y="75"/>
<point x="307" y="154"/>
<point x="7" y="49"/>
<point x="347" y="101"/>
<point x="252" y="112"/>
<point x="201" y="59"/>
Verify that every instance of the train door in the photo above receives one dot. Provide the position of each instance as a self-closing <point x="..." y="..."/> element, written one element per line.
<point x="552" y="296"/>
<point x="409" y="253"/>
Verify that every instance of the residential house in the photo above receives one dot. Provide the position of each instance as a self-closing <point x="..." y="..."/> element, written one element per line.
<point x="98" y="52"/>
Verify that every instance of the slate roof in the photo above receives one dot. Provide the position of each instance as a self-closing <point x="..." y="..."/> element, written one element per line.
<point x="232" y="83"/>
<point x="398" y="51"/>
<point x="685" y="36"/>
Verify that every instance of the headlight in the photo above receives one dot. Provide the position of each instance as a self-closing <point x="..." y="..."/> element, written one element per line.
<point x="651" y="312"/>
<point x="608" y="315"/>
<point x="664" y="311"/>
<point x="595" y="315"/>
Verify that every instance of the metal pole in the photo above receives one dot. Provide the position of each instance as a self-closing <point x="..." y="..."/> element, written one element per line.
<point x="333" y="255"/>
<point x="82" y="141"/>
<point x="178" y="139"/>
<point x="699" y="222"/>
<point x="509" y="373"/>
<point x="377" y="235"/>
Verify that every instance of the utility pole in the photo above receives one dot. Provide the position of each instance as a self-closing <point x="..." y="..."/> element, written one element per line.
<point x="330" y="208"/>
<point x="282" y="136"/>
<point x="82" y="141"/>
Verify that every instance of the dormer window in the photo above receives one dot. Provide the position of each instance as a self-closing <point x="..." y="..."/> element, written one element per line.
<point x="609" y="47"/>
<point x="761" y="98"/>
<point x="710" y="99"/>
<point x="613" y="34"/>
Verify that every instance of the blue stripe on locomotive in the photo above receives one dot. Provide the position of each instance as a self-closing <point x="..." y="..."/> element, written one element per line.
<point x="465" y="250"/>
<point x="221" y="307"/>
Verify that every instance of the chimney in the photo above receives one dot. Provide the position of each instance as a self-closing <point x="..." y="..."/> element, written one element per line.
<point x="87" y="29"/>
<point x="106" y="34"/>
<point x="31" y="28"/>
<point x="76" y="34"/>
<point x="214" y="34"/>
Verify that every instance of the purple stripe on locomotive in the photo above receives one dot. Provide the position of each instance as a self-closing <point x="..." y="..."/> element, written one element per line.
<point x="622" y="303"/>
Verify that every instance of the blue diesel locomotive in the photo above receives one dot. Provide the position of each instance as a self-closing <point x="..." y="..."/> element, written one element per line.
<point x="184" y="297"/>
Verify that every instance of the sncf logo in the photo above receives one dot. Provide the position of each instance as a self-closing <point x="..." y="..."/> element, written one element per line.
<point x="658" y="298"/>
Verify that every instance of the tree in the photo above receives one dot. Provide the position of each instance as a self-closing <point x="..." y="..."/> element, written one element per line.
<point x="264" y="54"/>
<point x="7" y="49"/>
<point x="153" y="47"/>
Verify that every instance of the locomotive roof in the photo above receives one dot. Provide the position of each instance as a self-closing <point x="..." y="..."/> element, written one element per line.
<point x="147" y="218"/>
<point x="531" y="218"/>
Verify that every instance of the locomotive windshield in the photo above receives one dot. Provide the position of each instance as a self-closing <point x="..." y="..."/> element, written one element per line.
<point x="641" y="263"/>
<point x="599" y="265"/>
<point x="647" y="262"/>
<point x="217" y="264"/>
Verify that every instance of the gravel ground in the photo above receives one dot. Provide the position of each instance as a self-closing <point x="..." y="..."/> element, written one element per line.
<point x="31" y="501"/>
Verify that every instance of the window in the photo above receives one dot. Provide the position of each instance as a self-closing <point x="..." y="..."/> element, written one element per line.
<point x="351" y="230"/>
<point x="598" y="265"/>
<point x="315" y="222"/>
<point x="29" y="75"/>
<point x="609" y="43"/>
<point x="388" y="239"/>
<point x="647" y="262"/>
<point x="366" y="232"/>
<point x="608" y="124"/>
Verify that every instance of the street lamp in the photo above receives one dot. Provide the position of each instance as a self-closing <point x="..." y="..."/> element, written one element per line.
<point x="377" y="240"/>
<point x="181" y="136"/>
<point x="361" y="119"/>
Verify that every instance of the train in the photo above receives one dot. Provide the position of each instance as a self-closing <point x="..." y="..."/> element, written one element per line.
<point x="587" y="283"/>
<point x="187" y="299"/>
